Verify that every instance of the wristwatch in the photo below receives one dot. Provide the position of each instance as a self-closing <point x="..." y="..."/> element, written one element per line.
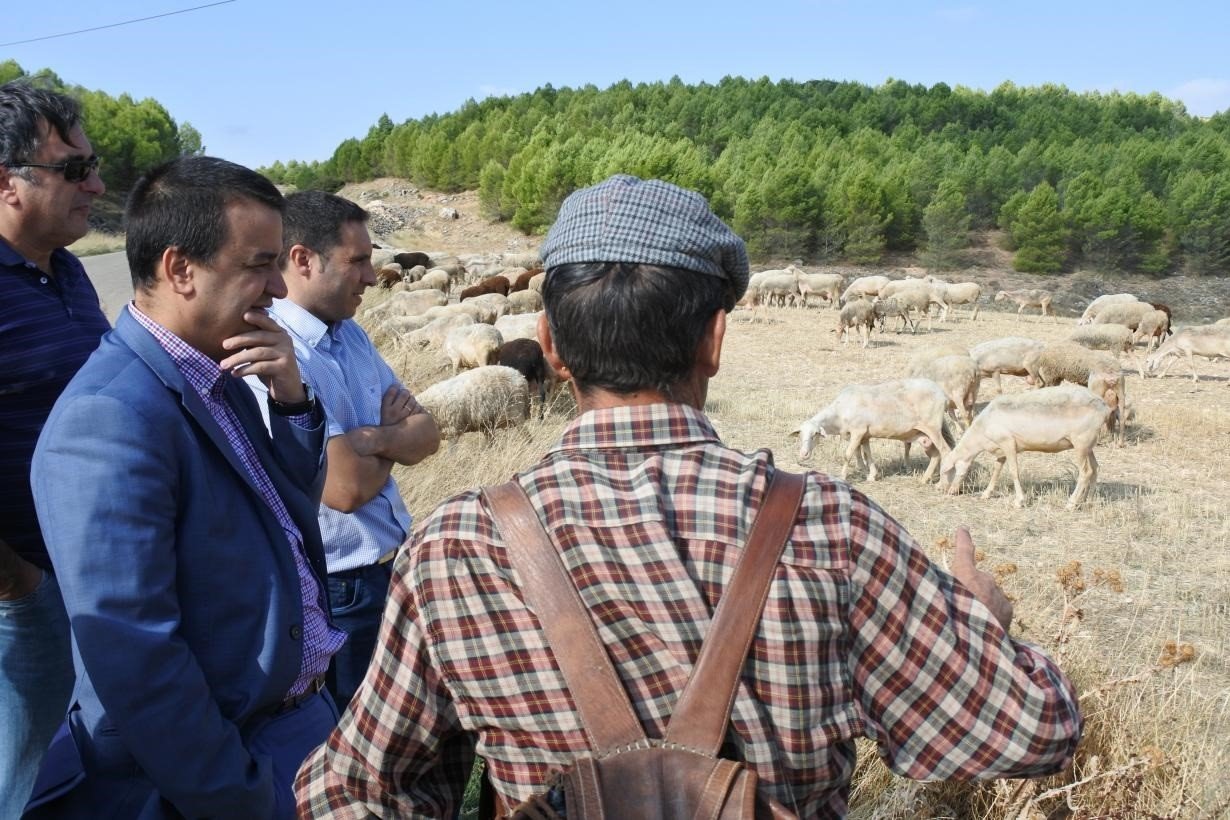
<point x="297" y="408"/>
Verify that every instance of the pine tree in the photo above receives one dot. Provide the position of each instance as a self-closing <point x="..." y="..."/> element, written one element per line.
<point x="1039" y="233"/>
<point x="946" y="223"/>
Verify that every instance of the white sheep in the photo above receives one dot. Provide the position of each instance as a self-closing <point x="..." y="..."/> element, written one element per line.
<point x="491" y="306"/>
<point x="1209" y="341"/>
<point x="472" y="345"/>
<point x="1098" y="304"/>
<point x="957" y="293"/>
<point x="537" y="280"/>
<point x="1153" y="326"/>
<point x="778" y="286"/>
<point x="864" y="286"/>
<point x="405" y="304"/>
<point x="1222" y="322"/>
<point x="858" y="314"/>
<point x="1048" y="420"/>
<point x="524" y="301"/>
<point x="480" y="400"/>
<point x="1128" y="314"/>
<point x="915" y="295"/>
<point x="1101" y="373"/>
<point x="825" y="285"/>
<point x="908" y="410"/>
<point x="1005" y="355"/>
<point x="1029" y="297"/>
<point x="432" y="335"/>
<point x="955" y="372"/>
<point x="1112" y="338"/>
<point x="519" y="326"/>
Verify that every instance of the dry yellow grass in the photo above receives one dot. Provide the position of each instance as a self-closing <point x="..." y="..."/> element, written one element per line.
<point x="1141" y="624"/>
<point x="96" y="242"/>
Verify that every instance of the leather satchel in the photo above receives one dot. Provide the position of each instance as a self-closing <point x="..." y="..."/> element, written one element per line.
<point x="629" y="775"/>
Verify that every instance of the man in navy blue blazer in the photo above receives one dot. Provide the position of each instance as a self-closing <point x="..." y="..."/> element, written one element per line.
<point x="184" y="533"/>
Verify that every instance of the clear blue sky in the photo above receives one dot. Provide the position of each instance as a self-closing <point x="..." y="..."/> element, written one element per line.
<point x="273" y="79"/>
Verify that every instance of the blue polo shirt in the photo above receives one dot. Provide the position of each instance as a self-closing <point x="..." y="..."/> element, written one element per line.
<point x="49" y="326"/>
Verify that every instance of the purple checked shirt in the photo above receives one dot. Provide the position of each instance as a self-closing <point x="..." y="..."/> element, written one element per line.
<point x="320" y="638"/>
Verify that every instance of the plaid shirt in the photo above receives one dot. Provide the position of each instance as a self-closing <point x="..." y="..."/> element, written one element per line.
<point x="321" y="639"/>
<point x="861" y="635"/>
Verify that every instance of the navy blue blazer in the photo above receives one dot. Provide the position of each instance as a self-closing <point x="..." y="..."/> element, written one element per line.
<point x="179" y="582"/>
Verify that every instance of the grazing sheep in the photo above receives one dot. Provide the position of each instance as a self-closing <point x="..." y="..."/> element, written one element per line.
<point x="1127" y="314"/>
<point x="490" y="307"/>
<point x="957" y="293"/>
<point x="492" y="284"/>
<point x="436" y="279"/>
<point x="1102" y="302"/>
<point x="389" y="275"/>
<point x="1009" y="354"/>
<point x="918" y="298"/>
<point x="907" y="410"/>
<point x="859" y="314"/>
<point x="408" y="259"/>
<point x="864" y="286"/>
<point x="524" y="301"/>
<point x="525" y="356"/>
<point x="472" y="345"/>
<point x="1209" y="341"/>
<point x="432" y="334"/>
<point x="406" y="303"/>
<point x="1102" y="374"/>
<point x="413" y="274"/>
<point x="526" y="260"/>
<point x="1031" y="297"/>
<point x="522" y="282"/>
<point x="449" y="264"/>
<point x="1049" y="420"/>
<point x="536" y="281"/>
<point x="1115" y="339"/>
<point x="1154" y="327"/>
<point x="955" y="372"/>
<point x="825" y="285"/>
<point x="480" y="400"/>
<point x="1164" y="309"/>
<point x="778" y="287"/>
<point x="521" y="326"/>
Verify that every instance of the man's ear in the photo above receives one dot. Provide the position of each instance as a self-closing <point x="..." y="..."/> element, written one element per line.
<point x="298" y="261"/>
<point x="175" y="268"/>
<point x="709" y="351"/>
<point x="547" y="343"/>
<point x="8" y="187"/>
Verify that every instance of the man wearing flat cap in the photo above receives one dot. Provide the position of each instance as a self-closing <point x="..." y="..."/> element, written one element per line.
<point x="650" y="513"/>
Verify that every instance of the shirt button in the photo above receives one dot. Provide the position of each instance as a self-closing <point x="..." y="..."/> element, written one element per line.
<point x="42" y="280"/>
<point x="296" y="632"/>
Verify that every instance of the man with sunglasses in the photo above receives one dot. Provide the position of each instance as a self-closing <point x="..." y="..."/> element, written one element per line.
<point x="50" y="322"/>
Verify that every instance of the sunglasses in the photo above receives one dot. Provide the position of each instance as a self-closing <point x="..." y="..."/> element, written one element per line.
<point x="76" y="169"/>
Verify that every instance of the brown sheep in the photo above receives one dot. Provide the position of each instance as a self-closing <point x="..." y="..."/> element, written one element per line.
<point x="522" y="282"/>
<point x="1164" y="309"/>
<point x="492" y="284"/>
<point x="388" y="276"/>
<point x="525" y="356"/>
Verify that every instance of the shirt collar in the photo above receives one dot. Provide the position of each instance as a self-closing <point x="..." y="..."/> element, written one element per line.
<point x="303" y="324"/>
<point x="200" y="371"/>
<point x="650" y="426"/>
<point x="60" y="257"/>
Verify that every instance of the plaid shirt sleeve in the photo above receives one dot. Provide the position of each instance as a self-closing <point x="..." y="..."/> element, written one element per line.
<point x="939" y="684"/>
<point x="399" y="750"/>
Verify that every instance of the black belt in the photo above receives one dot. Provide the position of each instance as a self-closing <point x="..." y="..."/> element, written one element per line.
<point x="294" y="701"/>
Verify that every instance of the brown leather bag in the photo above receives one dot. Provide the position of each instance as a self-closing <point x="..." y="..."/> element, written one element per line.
<point x="629" y="775"/>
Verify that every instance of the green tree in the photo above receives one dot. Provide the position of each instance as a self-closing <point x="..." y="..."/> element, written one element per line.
<point x="1039" y="233"/>
<point x="946" y="223"/>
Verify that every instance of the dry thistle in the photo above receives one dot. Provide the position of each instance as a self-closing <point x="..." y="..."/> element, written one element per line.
<point x="1175" y="654"/>
<point x="1109" y="578"/>
<point x="1002" y="571"/>
<point x="1071" y="578"/>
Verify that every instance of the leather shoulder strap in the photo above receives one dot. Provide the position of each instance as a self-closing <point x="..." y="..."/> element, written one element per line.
<point x="600" y="698"/>
<point x="703" y="709"/>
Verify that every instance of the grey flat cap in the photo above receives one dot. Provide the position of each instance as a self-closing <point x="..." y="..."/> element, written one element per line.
<point x="625" y="219"/>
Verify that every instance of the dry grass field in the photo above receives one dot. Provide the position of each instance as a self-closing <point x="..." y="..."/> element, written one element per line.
<point x="1131" y="591"/>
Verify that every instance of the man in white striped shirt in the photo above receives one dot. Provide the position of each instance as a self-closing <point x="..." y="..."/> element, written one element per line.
<point x="373" y="421"/>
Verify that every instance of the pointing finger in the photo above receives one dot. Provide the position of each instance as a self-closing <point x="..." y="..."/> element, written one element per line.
<point x="963" y="563"/>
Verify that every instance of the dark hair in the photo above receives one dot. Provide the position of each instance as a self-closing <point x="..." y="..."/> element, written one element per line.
<point x="23" y="109"/>
<point x="182" y="204"/>
<point x="314" y="219"/>
<point x="624" y="326"/>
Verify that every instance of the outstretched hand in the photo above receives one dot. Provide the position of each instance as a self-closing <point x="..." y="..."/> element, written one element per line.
<point x="981" y="584"/>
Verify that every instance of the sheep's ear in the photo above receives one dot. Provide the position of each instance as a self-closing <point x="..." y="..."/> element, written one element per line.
<point x="796" y="432"/>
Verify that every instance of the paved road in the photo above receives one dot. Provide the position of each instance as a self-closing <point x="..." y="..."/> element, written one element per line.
<point x="109" y="273"/>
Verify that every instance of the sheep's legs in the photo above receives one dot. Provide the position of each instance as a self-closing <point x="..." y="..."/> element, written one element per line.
<point x="852" y="451"/>
<point x="1088" y="466"/>
<point x="1010" y="455"/>
<point x="871" y="465"/>
<point x="995" y="471"/>
<point x="1191" y="360"/>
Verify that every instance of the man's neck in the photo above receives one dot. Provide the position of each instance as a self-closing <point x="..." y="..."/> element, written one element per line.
<point x="595" y="398"/>
<point x="39" y="256"/>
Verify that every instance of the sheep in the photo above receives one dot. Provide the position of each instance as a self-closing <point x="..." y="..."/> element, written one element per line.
<point x="406" y="303"/>
<point x="1164" y="309"/>
<point x="432" y="334"/>
<point x="1153" y="327"/>
<point x="958" y="293"/>
<point x="919" y="298"/>
<point x="858" y="314"/>
<point x="825" y="285"/>
<point x="437" y="280"/>
<point x="780" y="286"/>
<point x="413" y="274"/>
<point x="480" y="400"/>
<point x="955" y="372"/>
<point x="524" y="301"/>
<point x="536" y="281"/>
<point x="521" y="326"/>
<point x="389" y="275"/>
<point x="492" y="284"/>
<point x="1006" y="355"/>
<point x="907" y="410"/>
<point x="1102" y="374"/>
<point x="1209" y="341"/>
<point x="883" y="308"/>
<point x="864" y="286"/>
<point x="472" y="345"/>
<point x="522" y="282"/>
<point x="449" y="264"/>
<point x="1222" y="322"/>
<point x="1111" y="338"/>
<point x="408" y="259"/>
<point x="1127" y="314"/>
<point x="1032" y="297"/>
<point x="1102" y="302"/>
<point x="489" y="307"/>
<point x="1048" y="420"/>
<point x="527" y="260"/>
<point x="525" y="356"/>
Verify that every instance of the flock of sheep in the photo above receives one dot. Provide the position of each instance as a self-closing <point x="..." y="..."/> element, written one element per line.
<point x="943" y="380"/>
<point x="488" y="337"/>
